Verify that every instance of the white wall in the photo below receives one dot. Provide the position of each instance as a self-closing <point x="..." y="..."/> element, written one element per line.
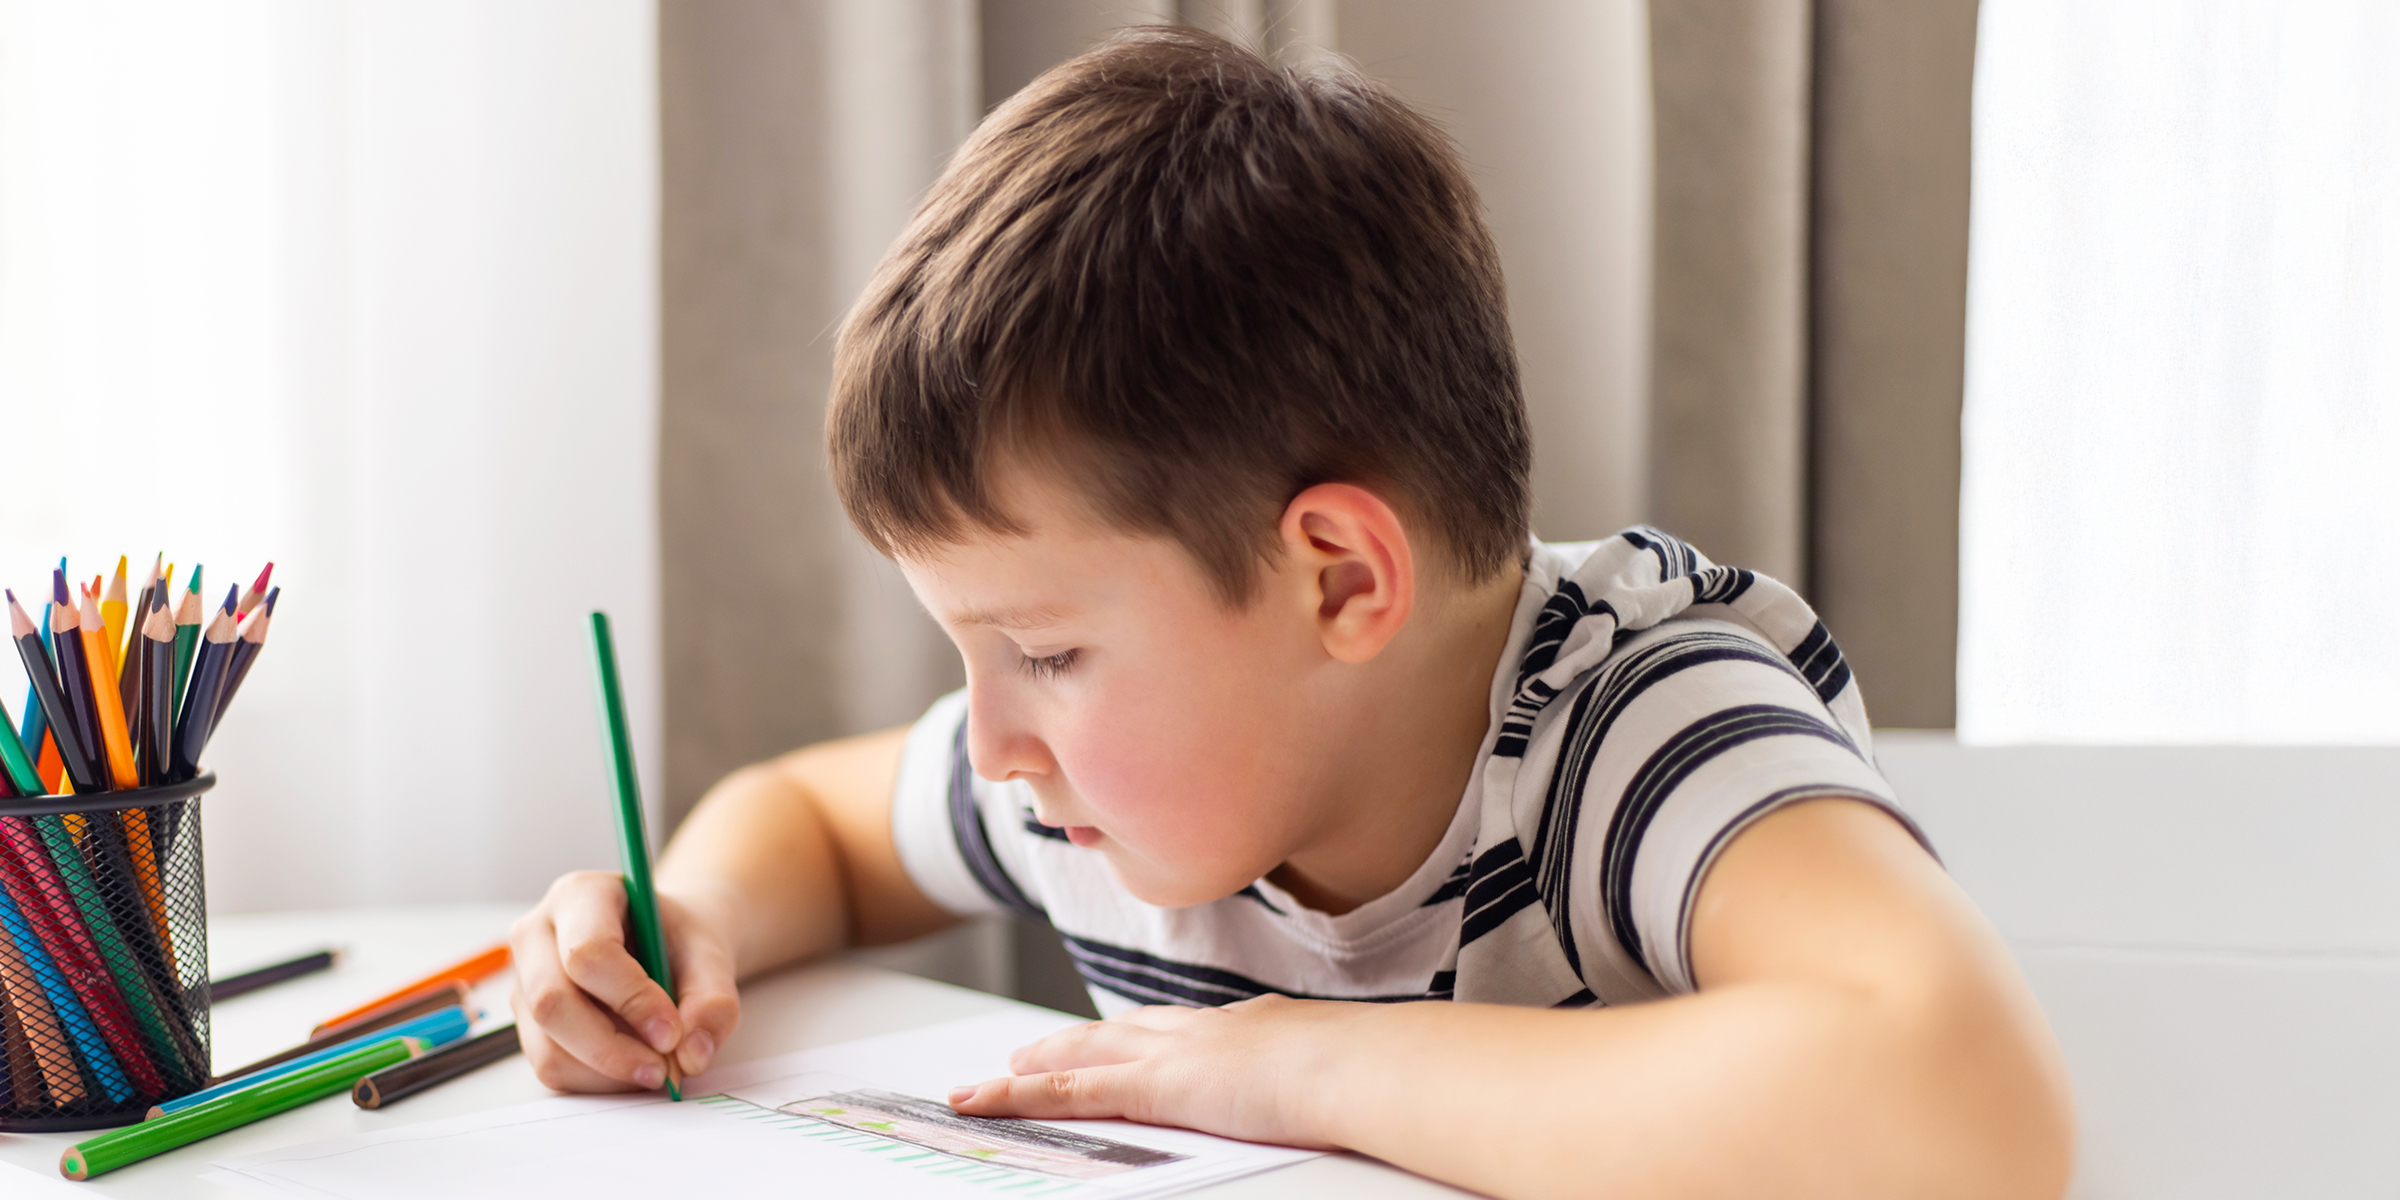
<point x="368" y="288"/>
<point x="2215" y="934"/>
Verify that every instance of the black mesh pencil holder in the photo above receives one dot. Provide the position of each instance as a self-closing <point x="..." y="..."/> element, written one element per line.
<point x="103" y="956"/>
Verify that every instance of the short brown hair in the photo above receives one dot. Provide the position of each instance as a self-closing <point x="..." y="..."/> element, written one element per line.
<point x="1200" y="284"/>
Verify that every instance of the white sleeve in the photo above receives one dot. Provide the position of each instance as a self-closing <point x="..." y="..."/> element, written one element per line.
<point x="955" y="832"/>
<point x="1713" y="730"/>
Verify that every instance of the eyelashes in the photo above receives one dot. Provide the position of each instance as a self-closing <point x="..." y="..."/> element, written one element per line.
<point x="1050" y="666"/>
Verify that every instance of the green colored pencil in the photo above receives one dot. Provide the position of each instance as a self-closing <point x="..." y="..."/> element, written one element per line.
<point x="134" y="1143"/>
<point x="187" y="635"/>
<point x="13" y="757"/>
<point x="641" y="895"/>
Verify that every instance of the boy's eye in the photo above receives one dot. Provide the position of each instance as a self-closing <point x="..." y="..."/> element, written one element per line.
<point x="1050" y="666"/>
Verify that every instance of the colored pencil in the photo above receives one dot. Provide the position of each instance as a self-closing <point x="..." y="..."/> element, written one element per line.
<point x="407" y="1008"/>
<point x="458" y="1058"/>
<point x="246" y="649"/>
<point x="187" y="635"/>
<point x="133" y="654"/>
<point x="98" y="659"/>
<point x="25" y="993"/>
<point x="434" y="1029"/>
<point x="250" y="599"/>
<point x="63" y="1003"/>
<point x="41" y="892"/>
<point x="112" y="621"/>
<point x="200" y="702"/>
<point x="158" y="694"/>
<point x="75" y="681"/>
<point x="633" y="841"/>
<point x="21" y="1078"/>
<point x="250" y="981"/>
<point x="57" y="710"/>
<point x="134" y="1143"/>
<point x="154" y="1057"/>
<point x="16" y="762"/>
<point x="472" y="970"/>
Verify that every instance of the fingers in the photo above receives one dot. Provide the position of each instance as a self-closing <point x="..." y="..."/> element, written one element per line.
<point x="573" y="1043"/>
<point x="1087" y="1093"/>
<point x="708" y="1005"/>
<point x="591" y="945"/>
<point x="1091" y="1044"/>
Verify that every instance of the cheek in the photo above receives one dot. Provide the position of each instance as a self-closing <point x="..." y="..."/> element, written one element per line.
<point x="1181" y="759"/>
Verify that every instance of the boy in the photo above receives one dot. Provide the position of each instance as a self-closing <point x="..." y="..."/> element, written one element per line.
<point x="1187" y="405"/>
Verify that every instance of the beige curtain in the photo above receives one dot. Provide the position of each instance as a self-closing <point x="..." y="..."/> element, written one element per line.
<point x="1811" y="313"/>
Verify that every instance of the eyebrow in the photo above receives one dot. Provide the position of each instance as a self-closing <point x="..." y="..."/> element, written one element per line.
<point x="1024" y="617"/>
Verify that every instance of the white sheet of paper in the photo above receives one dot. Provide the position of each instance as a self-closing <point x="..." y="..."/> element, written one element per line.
<point x="861" y="1118"/>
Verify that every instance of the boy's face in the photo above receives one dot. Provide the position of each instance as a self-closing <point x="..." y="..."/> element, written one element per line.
<point x="1158" y="728"/>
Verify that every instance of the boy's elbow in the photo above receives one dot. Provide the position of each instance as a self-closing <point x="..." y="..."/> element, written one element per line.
<point x="1995" y="1087"/>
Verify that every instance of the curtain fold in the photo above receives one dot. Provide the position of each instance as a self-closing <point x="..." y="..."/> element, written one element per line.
<point x="1811" y="313"/>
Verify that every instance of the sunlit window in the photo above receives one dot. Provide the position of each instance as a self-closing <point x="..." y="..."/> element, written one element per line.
<point x="2182" y="494"/>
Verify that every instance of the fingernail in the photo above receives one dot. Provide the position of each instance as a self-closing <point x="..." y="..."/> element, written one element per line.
<point x="698" y="1049"/>
<point x="650" y="1075"/>
<point x="660" y="1035"/>
<point x="960" y="1095"/>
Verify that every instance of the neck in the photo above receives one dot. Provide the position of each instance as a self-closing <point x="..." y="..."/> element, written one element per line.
<point x="1422" y="711"/>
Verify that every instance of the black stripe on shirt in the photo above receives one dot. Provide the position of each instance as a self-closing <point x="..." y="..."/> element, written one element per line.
<point x="975" y="842"/>
<point x="1597" y="707"/>
<point x="1499" y="887"/>
<point x="1052" y="832"/>
<point x="1148" y="979"/>
<point x="1821" y="663"/>
<point x="1694" y="746"/>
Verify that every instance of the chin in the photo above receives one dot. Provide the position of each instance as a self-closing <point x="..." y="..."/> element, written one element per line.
<point x="1170" y="893"/>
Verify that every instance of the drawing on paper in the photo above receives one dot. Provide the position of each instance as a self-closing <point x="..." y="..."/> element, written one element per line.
<point x="992" y="1141"/>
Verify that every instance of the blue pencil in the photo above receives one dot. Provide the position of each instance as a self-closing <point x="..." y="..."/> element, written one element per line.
<point x="62" y="1001"/>
<point x="437" y="1029"/>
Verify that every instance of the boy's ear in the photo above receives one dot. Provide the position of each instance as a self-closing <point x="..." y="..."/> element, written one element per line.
<point x="1352" y="553"/>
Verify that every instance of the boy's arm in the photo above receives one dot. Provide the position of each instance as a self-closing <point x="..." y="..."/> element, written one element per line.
<point x="781" y="861"/>
<point x="1860" y="1032"/>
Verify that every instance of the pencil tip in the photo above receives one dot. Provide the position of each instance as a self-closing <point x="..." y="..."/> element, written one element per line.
<point x="58" y="587"/>
<point x="232" y="594"/>
<point x="196" y="569"/>
<point x="120" y="566"/>
<point x="261" y="585"/>
<point x="271" y="597"/>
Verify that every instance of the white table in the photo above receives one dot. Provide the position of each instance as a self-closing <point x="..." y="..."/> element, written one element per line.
<point x="386" y="947"/>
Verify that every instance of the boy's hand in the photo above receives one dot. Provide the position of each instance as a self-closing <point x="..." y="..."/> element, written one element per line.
<point x="1253" y="1070"/>
<point x="590" y="1018"/>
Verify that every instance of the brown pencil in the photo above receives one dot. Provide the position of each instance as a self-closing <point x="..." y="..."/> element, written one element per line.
<point x="443" y="1065"/>
<point x="407" y="1008"/>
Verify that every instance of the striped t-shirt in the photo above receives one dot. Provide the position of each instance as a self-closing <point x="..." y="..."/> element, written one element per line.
<point x="1648" y="707"/>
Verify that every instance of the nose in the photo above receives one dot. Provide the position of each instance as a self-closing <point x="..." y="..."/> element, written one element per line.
<point x="1000" y="745"/>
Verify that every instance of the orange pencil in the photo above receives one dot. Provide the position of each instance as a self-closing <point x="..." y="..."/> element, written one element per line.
<point x="469" y="971"/>
<point x="101" y="662"/>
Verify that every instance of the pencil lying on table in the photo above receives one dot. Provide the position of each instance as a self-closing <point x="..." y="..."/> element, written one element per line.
<point x="250" y="981"/>
<point x="134" y="1143"/>
<point x="468" y="971"/>
<point x="458" y="1058"/>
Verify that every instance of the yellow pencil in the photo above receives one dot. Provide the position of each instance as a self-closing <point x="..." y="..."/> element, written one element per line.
<point x="112" y="621"/>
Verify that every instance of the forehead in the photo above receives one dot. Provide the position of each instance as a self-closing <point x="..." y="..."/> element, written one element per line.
<point x="1064" y="564"/>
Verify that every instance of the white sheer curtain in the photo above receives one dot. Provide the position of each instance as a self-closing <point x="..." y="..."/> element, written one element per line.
<point x="2182" y="480"/>
<point x="366" y="287"/>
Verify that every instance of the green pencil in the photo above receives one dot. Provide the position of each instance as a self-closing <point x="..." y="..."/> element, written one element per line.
<point x="187" y="635"/>
<point x="134" y="1143"/>
<point x="641" y="896"/>
<point x="15" y="760"/>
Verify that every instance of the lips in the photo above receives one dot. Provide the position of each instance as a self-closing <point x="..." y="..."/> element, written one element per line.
<point x="1086" y="836"/>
